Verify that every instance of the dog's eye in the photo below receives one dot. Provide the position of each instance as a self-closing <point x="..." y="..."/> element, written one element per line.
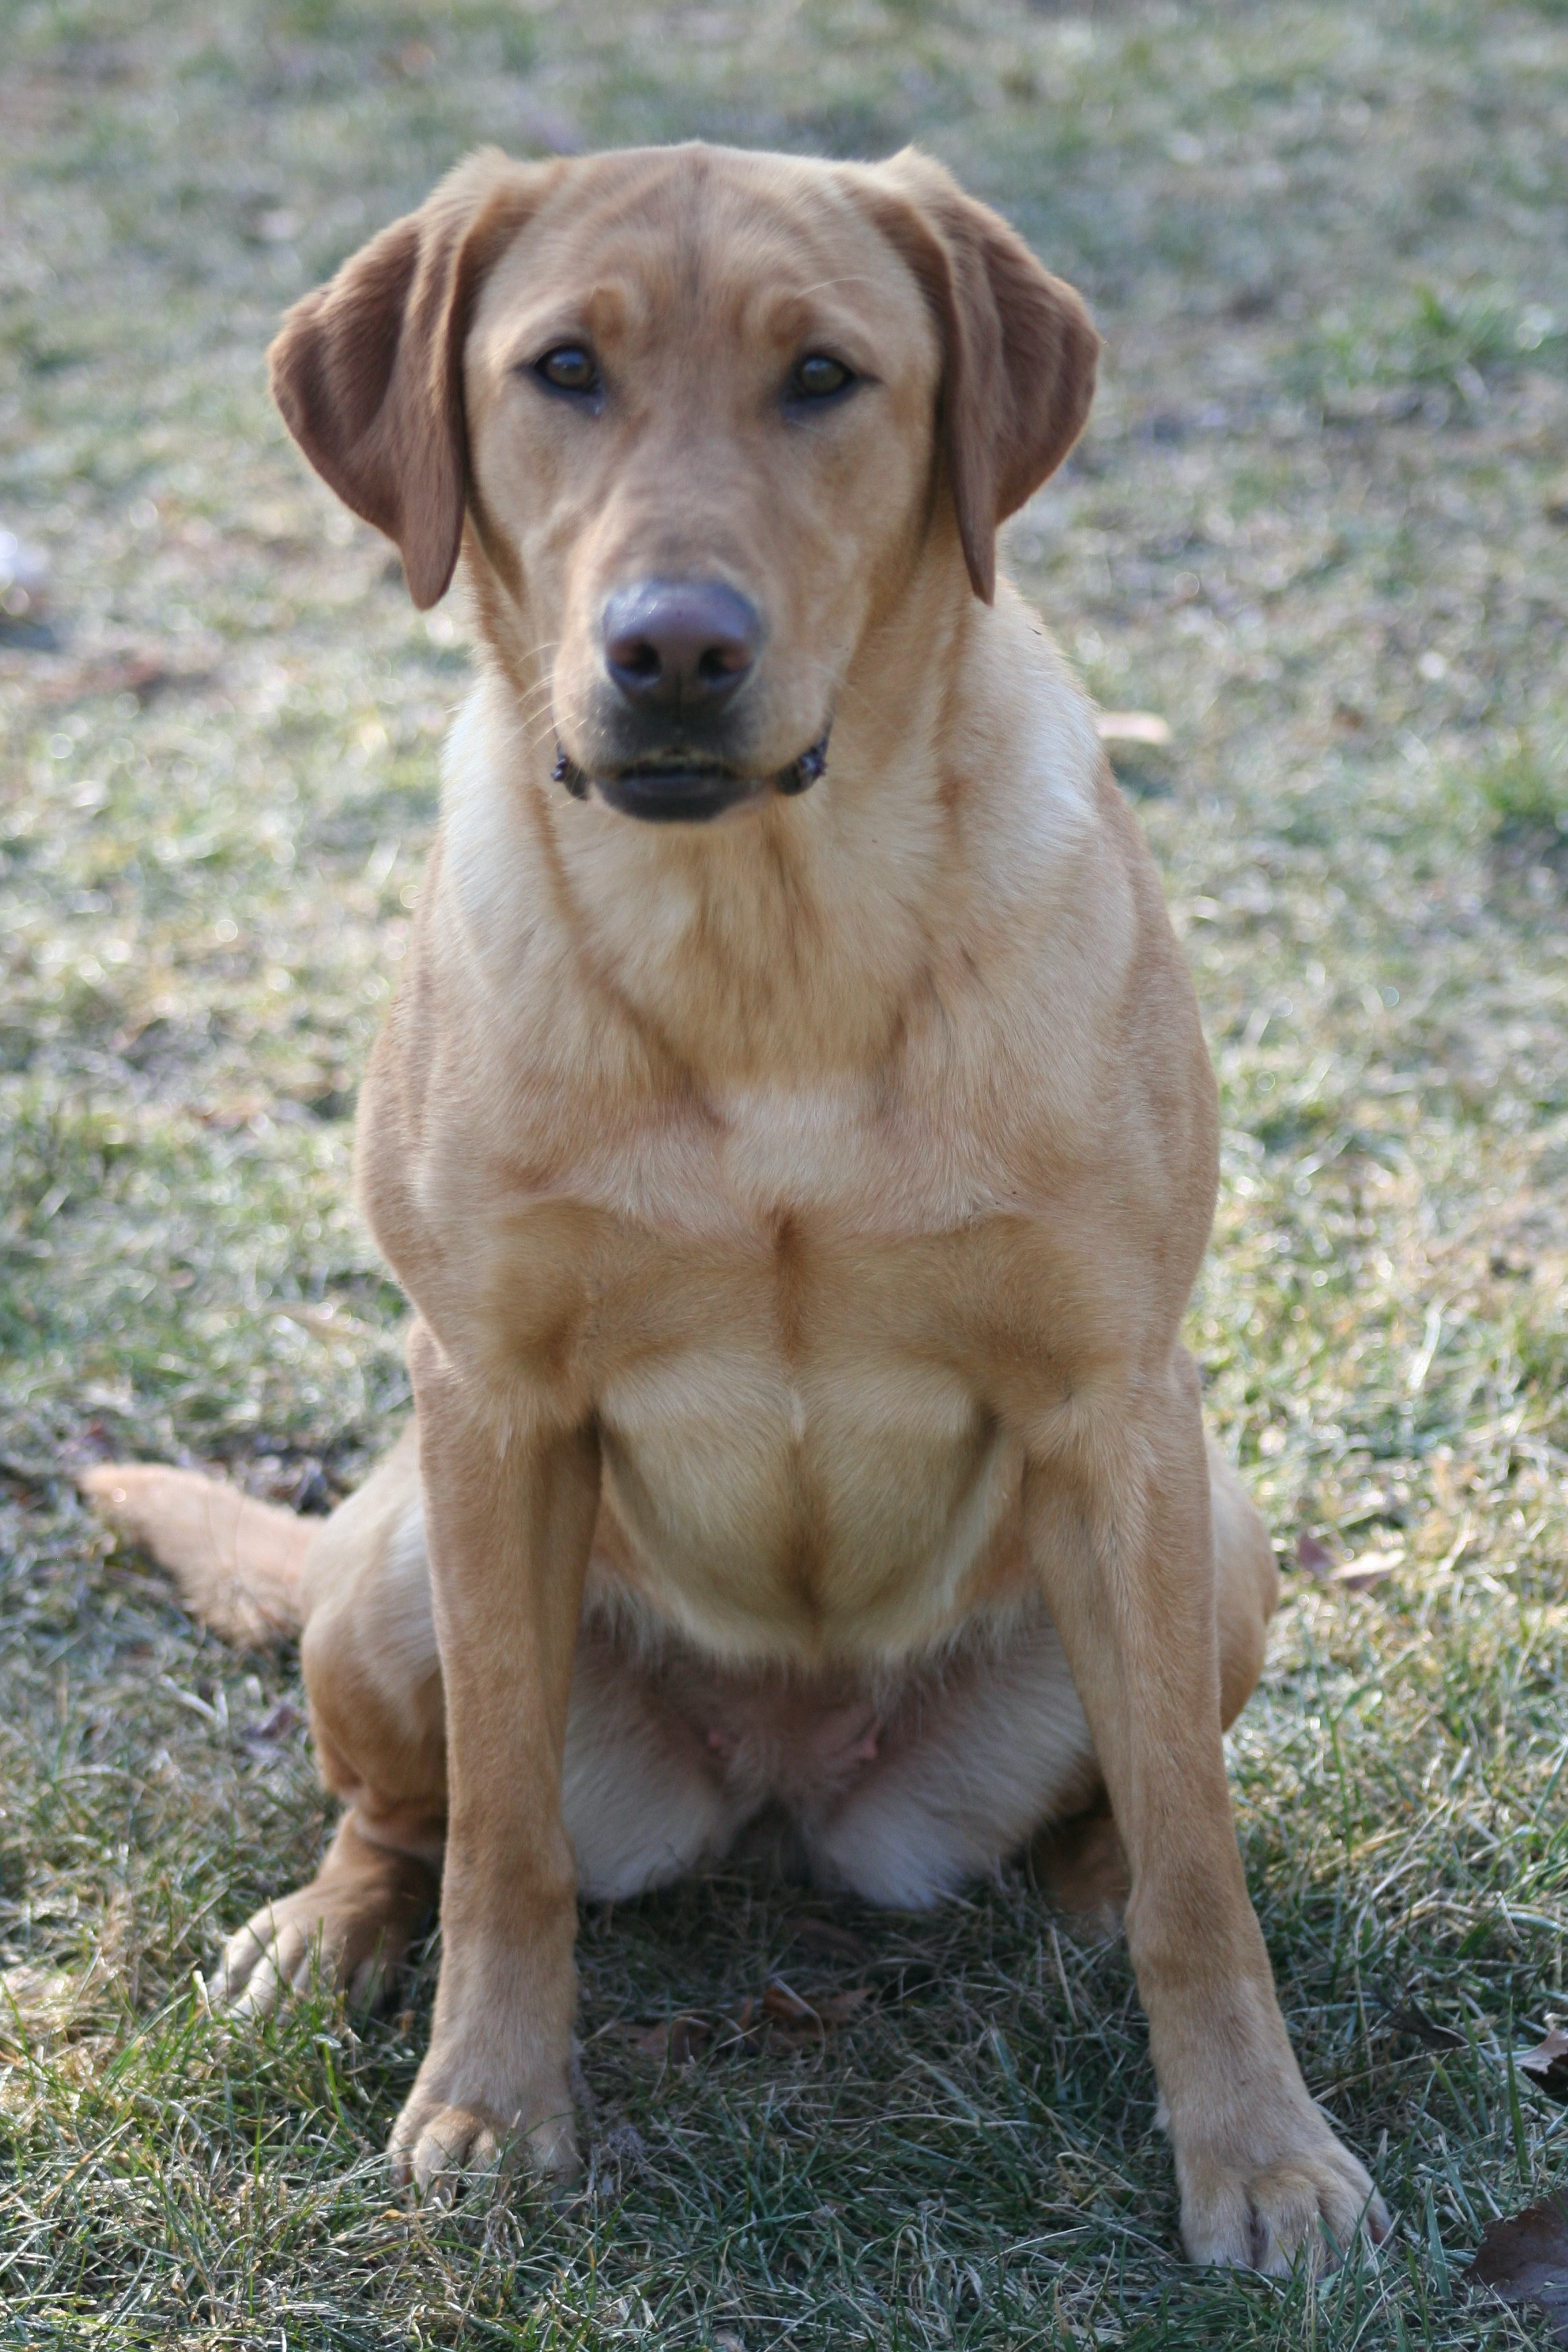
<point x="568" y="368"/>
<point x="819" y="377"/>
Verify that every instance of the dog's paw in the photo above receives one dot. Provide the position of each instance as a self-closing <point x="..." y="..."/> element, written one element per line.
<point x="347" y="1929"/>
<point x="1305" y="2205"/>
<point x="284" y="1949"/>
<point x="448" y="2150"/>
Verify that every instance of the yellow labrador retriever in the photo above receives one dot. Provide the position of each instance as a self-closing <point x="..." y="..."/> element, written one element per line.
<point x="795" y="1135"/>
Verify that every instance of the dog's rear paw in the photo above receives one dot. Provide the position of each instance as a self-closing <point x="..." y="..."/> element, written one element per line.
<point x="347" y="1929"/>
<point x="450" y="2149"/>
<point x="1306" y="2207"/>
<point x="1082" y="1864"/>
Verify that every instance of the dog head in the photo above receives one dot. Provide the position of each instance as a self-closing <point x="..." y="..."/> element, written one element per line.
<point x="704" y="417"/>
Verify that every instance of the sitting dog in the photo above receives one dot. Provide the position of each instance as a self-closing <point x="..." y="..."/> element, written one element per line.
<point x="795" y="1133"/>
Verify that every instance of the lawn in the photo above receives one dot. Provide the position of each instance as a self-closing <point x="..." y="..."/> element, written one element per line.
<point x="1320" y="522"/>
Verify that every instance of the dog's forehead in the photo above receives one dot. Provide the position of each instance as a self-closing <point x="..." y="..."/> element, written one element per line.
<point x="664" y="240"/>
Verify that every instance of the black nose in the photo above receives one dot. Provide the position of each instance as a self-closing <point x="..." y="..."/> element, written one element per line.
<point x="669" y="643"/>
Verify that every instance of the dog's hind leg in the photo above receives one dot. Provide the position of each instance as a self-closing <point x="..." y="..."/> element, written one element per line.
<point x="1247" y="1584"/>
<point x="373" y="1680"/>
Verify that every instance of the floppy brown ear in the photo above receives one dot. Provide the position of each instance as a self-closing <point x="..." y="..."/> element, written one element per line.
<point x="368" y="370"/>
<point x="1019" y="348"/>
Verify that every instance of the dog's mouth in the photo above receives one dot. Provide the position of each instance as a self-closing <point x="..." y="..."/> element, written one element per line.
<point x="680" y="787"/>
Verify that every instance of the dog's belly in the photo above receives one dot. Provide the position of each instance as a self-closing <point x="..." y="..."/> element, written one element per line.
<point x="856" y="1510"/>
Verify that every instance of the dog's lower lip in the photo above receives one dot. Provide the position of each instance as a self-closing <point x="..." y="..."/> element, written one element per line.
<point x="677" y="787"/>
<point x="679" y="771"/>
<point x="676" y="791"/>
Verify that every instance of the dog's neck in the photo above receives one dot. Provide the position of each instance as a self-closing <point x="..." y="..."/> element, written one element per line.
<point x="802" y="937"/>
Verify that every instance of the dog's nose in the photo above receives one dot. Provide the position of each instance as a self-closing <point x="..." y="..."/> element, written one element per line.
<point x="673" y="642"/>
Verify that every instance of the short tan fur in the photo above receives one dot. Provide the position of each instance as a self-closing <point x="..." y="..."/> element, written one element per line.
<point x="799" y="1209"/>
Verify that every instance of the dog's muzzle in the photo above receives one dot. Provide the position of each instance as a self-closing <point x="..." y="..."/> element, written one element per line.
<point x="680" y="790"/>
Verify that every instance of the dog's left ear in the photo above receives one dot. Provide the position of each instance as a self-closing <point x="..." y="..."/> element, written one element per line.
<point x="1019" y="348"/>
<point x="368" y="370"/>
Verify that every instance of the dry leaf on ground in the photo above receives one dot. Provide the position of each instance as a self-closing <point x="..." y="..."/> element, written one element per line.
<point x="1524" y="2259"/>
<point x="1314" y="1556"/>
<point x="1407" y="2019"/>
<point x="1357" y="1575"/>
<point x="1368" y="1568"/>
<point x="281" y="1719"/>
<point x="778" y="2015"/>
<point x="1547" y="2065"/>
<point x="826" y="1936"/>
<point x="1144" y="727"/>
<point x="811" y="2018"/>
<point x="674" y="2041"/>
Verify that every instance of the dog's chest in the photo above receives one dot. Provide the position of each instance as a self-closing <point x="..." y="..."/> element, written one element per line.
<point x="825" y="1493"/>
<point x="800" y="1460"/>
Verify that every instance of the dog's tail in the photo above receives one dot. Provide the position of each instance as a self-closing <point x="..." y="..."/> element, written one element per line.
<point x="236" y="1562"/>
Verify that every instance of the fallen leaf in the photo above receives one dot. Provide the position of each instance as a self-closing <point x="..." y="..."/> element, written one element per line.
<point x="1547" y="2065"/>
<point x="320" y="1321"/>
<point x="788" y="2021"/>
<point x="238" y="1112"/>
<point x="1524" y="2260"/>
<point x="778" y="2015"/>
<point x="1408" y="2019"/>
<point x="837" y="2007"/>
<point x="142" y="671"/>
<point x="783" y="2005"/>
<point x="282" y="1717"/>
<point x="1368" y="1568"/>
<point x="823" y="1936"/>
<point x="414" y="60"/>
<point x="1314" y="1557"/>
<point x="1144" y="727"/>
<point x="794" y="2020"/>
<point x="674" y="2041"/>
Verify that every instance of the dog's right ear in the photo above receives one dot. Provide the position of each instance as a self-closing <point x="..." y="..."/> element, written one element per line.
<point x="368" y="370"/>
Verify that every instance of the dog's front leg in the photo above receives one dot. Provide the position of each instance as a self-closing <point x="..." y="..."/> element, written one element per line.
<point x="510" y="1506"/>
<point x="1116" y="1507"/>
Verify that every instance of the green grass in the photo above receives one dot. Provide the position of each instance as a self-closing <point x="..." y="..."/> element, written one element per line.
<point x="1318" y="522"/>
<point x="1433" y="349"/>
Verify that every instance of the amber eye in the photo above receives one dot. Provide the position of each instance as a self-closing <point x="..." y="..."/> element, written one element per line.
<point x="818" y="377"/>
<point x="568" y="368"/>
